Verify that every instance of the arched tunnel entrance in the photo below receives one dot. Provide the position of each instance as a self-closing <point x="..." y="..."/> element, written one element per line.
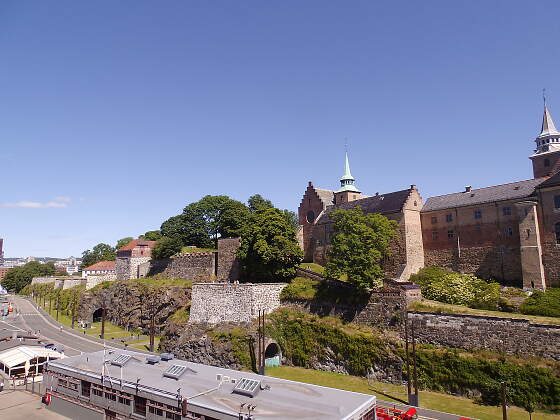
<point x="272" y="355"/>
<point x="98" y="315"/>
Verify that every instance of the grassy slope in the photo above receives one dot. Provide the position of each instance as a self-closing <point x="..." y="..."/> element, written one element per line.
<point x="432" y="400"/>
<point x="433" y="306"/>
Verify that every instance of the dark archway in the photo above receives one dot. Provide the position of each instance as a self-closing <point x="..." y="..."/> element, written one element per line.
<point x="97" y="315"/>
<point x="272" y="355"/>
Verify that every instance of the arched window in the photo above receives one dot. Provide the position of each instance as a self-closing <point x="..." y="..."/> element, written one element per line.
<point x="557" y="230"/>
<point x="546" y="163"/>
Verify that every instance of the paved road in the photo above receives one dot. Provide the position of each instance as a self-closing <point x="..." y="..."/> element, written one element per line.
<point x="30" y="319"/>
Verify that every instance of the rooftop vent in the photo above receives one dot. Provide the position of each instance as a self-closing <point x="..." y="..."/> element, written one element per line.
<point x="167" y="356"/>
<point x="121" y="360"/>
<point x="153" y="359"/>
<point x="247" y="387"/>
<point x="468" y="188"/>
<point x="176" y="371"/>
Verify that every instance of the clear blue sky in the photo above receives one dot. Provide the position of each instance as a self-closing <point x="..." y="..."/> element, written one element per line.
<point x="114" y="115"/>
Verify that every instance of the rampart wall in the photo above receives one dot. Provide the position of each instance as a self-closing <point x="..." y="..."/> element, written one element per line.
<point x="213" y="303"/>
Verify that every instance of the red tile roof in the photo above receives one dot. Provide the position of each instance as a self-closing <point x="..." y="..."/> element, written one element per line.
<point x="137" y="242"/>
<point x="102" y="266"/>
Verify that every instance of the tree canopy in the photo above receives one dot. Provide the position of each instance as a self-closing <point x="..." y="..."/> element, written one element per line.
<point x="151" y="235"/>
<point x="19" y="277"/>
<point x="100" y="252"/>
<point x="269" y="250"/>
<point x="124" y="241"/>
<point x="167" y="247"/>
<point x="359" y="244"/>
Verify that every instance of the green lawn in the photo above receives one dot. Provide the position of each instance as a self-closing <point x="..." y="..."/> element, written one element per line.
<point x="432" y="306"/>
<point x="144" y="344"/>
<point x="389" y="392"/>
<point x="316" y="268"/>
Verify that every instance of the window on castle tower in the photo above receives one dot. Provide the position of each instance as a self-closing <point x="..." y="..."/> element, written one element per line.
<point x="478" y="214"/>
<point x="557" y="201"/>
<point x="509" y="231"/>
<point x="506" y="211"/>
<point x="434" y="220"/>
<point x="435" y="235"/>
<point x="450" y="234"/>
<point x="449" y="217"/>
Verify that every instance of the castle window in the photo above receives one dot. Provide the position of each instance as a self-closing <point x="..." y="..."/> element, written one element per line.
<point x="546" y="163"/>
<point x="310" y="216"/>
<point x="478" y="214"/>
<point x="434" y="220"/>
<point x="450" y="234"/>
<point x="509" y="231"/>
<point x="557" y="231"/>
<point x="449" y="218"/>
<point x="557" y="201"/>
<point x="435" y="235"/>
<point x="506" y="211"/>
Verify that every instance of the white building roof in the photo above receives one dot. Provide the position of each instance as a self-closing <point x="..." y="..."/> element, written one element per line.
<point x="19" y="355"/>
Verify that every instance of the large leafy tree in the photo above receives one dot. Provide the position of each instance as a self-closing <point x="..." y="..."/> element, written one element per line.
<point x="19" y="277"/>
<point x="167" y="247"/>
<point x="359" y="244"/>
<point x="258" y="202"/>
<point x="151" y="235"/>
<point x="100" y="252"/>
<point x="204" y="221"/>
<point x="269" y="250"/>
<point x="124" y="241"/>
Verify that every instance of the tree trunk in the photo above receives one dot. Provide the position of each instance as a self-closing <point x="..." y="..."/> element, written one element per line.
<point x="57" y="305"/>
<point x="102" y="336"/>
<point x="152" y="332"/>
<point x="73" y="315"/>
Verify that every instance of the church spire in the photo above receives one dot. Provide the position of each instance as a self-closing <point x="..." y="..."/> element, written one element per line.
<point x="548" y="127"/>
<point x="347" y="180"/>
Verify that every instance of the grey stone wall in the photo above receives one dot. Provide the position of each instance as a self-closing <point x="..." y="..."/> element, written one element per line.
<point x="69" y="283"/>
<point x="194" y="266"/>
<point x="228" y="263"/>
<point x="127" y="268"/>
<point x="513" y="336"/>
<point x="214" y="303"/>
<point x="93" y="280"/>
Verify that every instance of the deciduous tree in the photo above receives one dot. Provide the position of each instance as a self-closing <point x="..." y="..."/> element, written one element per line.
<point x="359" y="244"/>
<point x="100" y="252"/>
<point x="269" y="250"/>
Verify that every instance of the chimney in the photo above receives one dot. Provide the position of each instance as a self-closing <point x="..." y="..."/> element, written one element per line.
<point x="412" y="186"/>
<point x="468" y="188"/>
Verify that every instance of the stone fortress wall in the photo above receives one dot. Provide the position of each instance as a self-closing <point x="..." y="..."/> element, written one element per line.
<point x="59" y="282"/>
<point x="93" y="280"/>
<point x="213" y="303"/>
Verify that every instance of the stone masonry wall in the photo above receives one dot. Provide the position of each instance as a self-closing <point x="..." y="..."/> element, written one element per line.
<point x="228" y="263"/>
<point x="513" y="336"/>
<point x="46" y="280"/>
<point x="214" y="303"/>
<point x="194" y="266"/>
<point x="93" y="280"/>
<point x="69" y="283"/>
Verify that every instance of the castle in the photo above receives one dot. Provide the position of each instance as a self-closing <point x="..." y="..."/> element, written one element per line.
<point x="509" y="233"/>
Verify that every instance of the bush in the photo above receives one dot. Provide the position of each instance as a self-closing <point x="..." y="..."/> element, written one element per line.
<point x="543" y="303"/>
<point x="458" y="289"/>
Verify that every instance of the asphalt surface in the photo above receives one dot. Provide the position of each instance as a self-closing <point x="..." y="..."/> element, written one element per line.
<point x="26" y="317"/>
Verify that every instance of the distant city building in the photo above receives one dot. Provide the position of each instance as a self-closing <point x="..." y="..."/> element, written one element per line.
<point x="102" y="267"/>
<point x="1" y="251"/>
<point x="3" y="272"/>
<point x="123" y="384"/>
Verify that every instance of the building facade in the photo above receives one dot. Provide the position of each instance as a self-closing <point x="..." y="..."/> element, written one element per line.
<point x="509" y="233"/>
<point x="131" y="256"/>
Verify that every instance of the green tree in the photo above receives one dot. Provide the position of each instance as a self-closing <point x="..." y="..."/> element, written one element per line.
<point x="359" y="244"/>
<point x="100" y="252"/>
<point x="269" y="250"/>
<point x="124" y="241"/>
<point x="167" y="247"/>
<point x="19" y="277"/>
<point x="258" y="202"/>
<point x="152" y="235"/>
<point x="204" y="221"/>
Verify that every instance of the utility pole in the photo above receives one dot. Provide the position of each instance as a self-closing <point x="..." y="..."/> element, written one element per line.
<point x="416" y="395"/>
<point x="504" y="400"/>
<point x="408" y="384"/>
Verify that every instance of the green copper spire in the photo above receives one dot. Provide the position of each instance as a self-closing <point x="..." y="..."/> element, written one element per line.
<point x="347" y="180"/>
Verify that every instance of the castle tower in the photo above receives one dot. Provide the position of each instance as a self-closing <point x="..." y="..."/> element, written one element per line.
<point x="546" y="159"/>
<point x="347" y="191"/>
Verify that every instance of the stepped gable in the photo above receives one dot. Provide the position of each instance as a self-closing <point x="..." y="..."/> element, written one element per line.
<point x="380" y="203"/>
<point x="553" y="181"/>
<point x="511" y="191"/>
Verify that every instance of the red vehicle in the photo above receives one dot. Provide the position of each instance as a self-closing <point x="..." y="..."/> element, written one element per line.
<point x="384" y="413"/>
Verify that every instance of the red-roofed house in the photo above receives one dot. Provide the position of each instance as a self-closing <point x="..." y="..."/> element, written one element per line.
<point x="131" y="256"/>
<point x="102" y="267"/>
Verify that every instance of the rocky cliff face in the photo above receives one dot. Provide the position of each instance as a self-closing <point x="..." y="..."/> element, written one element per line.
<point x="127" y="307"/>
